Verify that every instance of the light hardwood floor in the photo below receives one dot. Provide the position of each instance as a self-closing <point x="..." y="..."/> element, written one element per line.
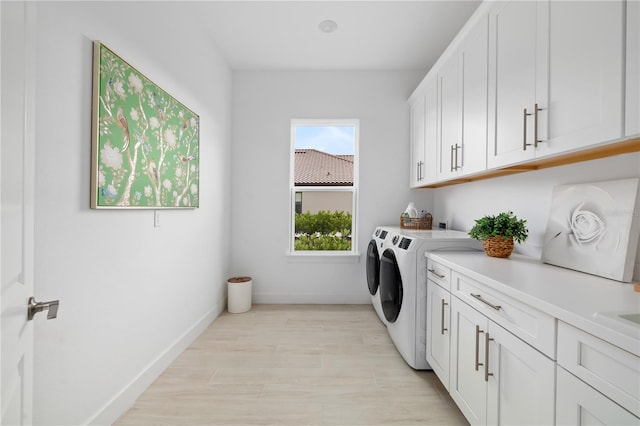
<point x="294" y="365"/>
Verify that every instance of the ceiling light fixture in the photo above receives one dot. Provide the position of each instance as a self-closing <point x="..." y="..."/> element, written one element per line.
<point x="328" y="26"/>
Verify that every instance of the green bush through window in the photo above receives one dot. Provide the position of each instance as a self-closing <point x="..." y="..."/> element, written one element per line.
<point x="323" y="231"/>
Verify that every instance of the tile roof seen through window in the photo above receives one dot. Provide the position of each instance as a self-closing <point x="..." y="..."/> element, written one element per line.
<point x="315" y="168"/>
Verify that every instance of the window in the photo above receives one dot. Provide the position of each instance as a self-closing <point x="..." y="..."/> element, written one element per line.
<point x="323" y="186"/>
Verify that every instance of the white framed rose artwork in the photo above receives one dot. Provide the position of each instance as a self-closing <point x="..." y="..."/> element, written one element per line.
<point x="594" y="228"/>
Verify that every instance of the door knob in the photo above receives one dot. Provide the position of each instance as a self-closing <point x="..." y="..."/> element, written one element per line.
<point x="35" y="307"/>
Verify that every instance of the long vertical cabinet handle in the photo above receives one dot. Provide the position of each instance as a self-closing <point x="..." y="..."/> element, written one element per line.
<point x="451" y="158"/>
<point x="442" y="329"/>
<point x="536" y="141"/>
<point x="478" y="331"/>
<point x="487" y="339"/>
<point x="457" y="149"/>
<point x="525" y="114"/>
<point x="421" y="170"/>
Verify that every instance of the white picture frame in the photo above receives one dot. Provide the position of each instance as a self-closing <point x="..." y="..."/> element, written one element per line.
<point x="594" y="228"/>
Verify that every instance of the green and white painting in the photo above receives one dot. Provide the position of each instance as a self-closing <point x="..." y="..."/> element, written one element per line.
<point x="145" y="142"/>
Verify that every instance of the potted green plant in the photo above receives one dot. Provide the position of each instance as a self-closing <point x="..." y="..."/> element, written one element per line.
<point x="498" y="233"/>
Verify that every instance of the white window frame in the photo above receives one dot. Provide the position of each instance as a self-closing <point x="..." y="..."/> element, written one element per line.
<point x="322" y="255"/>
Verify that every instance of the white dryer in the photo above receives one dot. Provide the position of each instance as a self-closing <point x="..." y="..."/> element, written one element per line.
<point x="403" y="286"/>
<point x="374" y="252"/>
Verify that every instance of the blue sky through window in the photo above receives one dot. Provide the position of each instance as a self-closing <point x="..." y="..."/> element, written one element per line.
<point x="337" y="140"/>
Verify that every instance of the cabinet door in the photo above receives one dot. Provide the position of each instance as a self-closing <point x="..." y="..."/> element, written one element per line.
<point x="632" y="120"/>
<point x="473" y="61"/>
<point x="431" y="129"/>
<point x="417" y="117"/>
<point x="579" y="404"/>
<point x="586" y="76"/>
<point x="466" y="384"/>
<point x="520" y="381"/>
<point x="438" y="330"/>
<point x="513" y="28"/>
<point x="450" y="142"/>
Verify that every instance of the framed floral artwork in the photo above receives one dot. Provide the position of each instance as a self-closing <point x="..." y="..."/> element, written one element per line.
<point x="594" y="228"/>
<point x="145" y="144"/>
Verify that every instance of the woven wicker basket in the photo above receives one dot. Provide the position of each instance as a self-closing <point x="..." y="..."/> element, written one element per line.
<point x="421" y="223"/>
<point x="498" y="246"/>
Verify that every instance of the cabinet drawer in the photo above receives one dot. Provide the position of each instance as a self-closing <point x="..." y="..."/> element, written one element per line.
<point x="529" y="324"/>
<point x="439" y="274"/>
<point x="612" y="371"/>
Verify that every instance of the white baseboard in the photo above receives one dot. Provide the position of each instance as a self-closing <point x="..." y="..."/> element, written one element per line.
<point x="124" y="399"/>
<point x="313" y="299"/>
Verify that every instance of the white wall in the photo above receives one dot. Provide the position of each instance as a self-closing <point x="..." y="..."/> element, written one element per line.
<point x="131" y="295"/>
<point x="263" y="105"/>
<point x="528" y="195"/>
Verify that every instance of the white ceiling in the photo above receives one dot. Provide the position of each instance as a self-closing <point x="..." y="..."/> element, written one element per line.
<point x="371" y="35"/>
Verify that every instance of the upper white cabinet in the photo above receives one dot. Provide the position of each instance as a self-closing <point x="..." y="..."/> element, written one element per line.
<point x="586" y="75"/>
<point x="462" y="89"/>
<point x="417" y="117"/>
<point x="473" y="65"/>
<point x="516" y="77"/>
<point x="423" y="106"/>
<point x="556" y="77"/>
<point x="450" y="134"/>
<point x="632" y="119"/>
<point x="528" y="82"/>
<point x="430" y="128"/>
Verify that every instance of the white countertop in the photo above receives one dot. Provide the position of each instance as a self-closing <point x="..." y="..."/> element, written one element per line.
<point x="585" y="301"/>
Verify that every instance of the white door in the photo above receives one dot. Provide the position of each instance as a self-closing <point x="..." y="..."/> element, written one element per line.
<point x="16" y="213"/>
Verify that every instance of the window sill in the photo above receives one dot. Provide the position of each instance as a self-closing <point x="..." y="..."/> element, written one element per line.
<point x="322" y="257"/>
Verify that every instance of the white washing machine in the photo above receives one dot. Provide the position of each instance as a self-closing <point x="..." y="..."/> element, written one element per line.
<point x="374" y="252"/>
<point x="403" y="285"/>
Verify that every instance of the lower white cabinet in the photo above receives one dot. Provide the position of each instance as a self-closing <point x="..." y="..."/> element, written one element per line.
<point x="438" y="330"/>
<point x="496" y="378"/>
<point x="580" y="404"/>
<point x="611" y="373"/>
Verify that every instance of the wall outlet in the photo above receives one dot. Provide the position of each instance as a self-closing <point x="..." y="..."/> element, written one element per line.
<point x="443" y="225"/>
<point x="156" y="219"/>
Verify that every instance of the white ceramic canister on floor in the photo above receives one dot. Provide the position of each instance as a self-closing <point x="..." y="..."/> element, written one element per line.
<point x="239" y="294"/>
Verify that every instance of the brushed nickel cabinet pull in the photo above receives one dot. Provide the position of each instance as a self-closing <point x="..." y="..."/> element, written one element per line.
<point x="442" y="329"/>
<point x="451" y="158"/>
<point x="478" y="331"/>
<point x="433" y="271"/>
<point x="536" y="141"/>
<point x="524" y="138"/>
<point x="479" y="297"/>
<point x="487" y="339"/>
